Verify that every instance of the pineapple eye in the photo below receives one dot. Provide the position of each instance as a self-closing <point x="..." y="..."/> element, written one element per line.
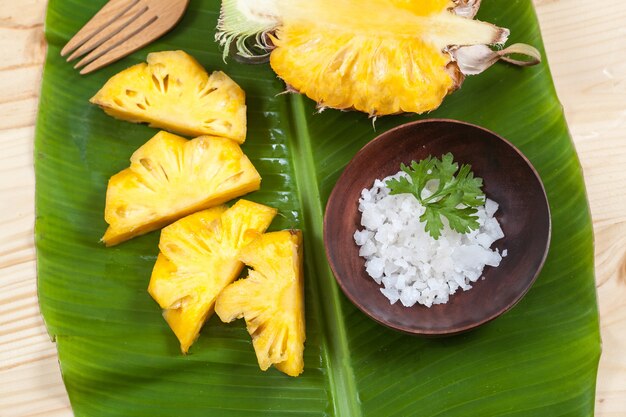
<point x="222" y="123"/>
<point x="284" y="342"/>
<point x="160" y="85"/>
<point x="260" y="329"/>
<point x="167" y="178"/>
<point x="180" y="303"/>
<point x="204" y="91"/>
<point x="234" y="177"/>
<point x="174" y="249"/>
<point x="131" y="93"/>
<point x="121" y="211"/>
<point x="118" y="102"/>
<point x="146" y="163"/>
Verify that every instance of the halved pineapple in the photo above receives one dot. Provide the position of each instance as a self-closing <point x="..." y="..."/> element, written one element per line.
<point x="199" y="256"/>
<point x="271" y="300"/>
<point x="173" y="92"/>
<point x="377" y="56"/>
<point x="170" y="177"/>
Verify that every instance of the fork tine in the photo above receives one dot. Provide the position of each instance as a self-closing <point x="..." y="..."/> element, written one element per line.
<point x="110" y="30"/>
<point x="147" y="35"/>
<point x="111" y="11"/>
<point x="136" y="35"/>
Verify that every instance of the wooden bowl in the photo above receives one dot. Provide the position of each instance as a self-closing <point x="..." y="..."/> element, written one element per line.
<point x="509" y="179"/>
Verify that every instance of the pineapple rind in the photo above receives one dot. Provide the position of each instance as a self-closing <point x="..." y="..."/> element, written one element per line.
<point x="171" y="177"/>
<point x="172" y="91"/>
<point x="198" y="258"/>
<point x="271" y="300"/>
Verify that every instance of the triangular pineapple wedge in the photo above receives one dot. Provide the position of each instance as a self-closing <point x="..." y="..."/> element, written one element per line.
<point x="271" y="300"/>
<point x="174" y="92"/>
<point x="199" y="257"/>
<point x="170" y="177"/>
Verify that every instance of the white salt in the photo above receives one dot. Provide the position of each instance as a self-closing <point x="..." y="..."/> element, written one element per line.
<point x="407" y="262"/>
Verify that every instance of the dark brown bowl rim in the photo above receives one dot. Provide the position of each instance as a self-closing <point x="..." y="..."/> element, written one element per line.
<point x="463" y="329"/>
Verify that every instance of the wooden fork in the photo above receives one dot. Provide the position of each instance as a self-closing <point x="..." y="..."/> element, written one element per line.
<point x="120" y="28"/>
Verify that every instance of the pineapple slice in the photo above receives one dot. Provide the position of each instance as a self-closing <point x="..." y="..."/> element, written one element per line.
<point x="170" y="177"/>
<point x="271" y="300"/>
<point x="173" y="92"/>
<point x="377" y="56"/>
<point x="198" y="258"/>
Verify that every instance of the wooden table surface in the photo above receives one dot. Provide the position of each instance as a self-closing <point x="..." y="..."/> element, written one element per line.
<point x="587" y="52"/>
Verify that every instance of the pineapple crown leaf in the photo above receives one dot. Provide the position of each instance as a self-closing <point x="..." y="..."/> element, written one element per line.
<point x="242" y="25"/>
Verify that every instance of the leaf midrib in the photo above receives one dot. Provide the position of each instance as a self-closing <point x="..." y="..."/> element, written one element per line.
<point x="335" y="349"/>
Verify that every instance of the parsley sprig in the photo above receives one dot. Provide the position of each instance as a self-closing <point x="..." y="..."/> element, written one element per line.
<point x="455" y="198"/>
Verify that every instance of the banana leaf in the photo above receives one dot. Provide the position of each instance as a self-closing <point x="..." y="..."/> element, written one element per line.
<point x="119" y="358"/>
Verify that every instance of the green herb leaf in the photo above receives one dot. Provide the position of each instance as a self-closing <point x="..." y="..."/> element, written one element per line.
<point x="434" y="225"/>
<point x="455" y="197"/>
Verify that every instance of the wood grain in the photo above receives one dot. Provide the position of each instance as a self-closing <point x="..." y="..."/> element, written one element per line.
<point x="127" y="28"/>
<point x="584" y="41"/>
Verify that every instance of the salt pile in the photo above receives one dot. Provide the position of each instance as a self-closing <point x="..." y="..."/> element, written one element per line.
<point x="411" y="265"/>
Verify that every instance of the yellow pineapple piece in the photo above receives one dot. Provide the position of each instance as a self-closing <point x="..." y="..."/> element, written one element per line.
<point x="376" y="56"/>
<point x="174" y="92"/>
<point x="271" y="300"/>
<point x="170" y="177"/>
<point x="199" y="256"/>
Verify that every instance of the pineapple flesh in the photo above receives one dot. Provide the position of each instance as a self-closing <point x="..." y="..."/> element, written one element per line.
<point x="377" y="56"/>
<point x="199" y="256"/>
<point x="271" y="300"/>
<point x="172" y="91"/>
<point x="170" y="177"/>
